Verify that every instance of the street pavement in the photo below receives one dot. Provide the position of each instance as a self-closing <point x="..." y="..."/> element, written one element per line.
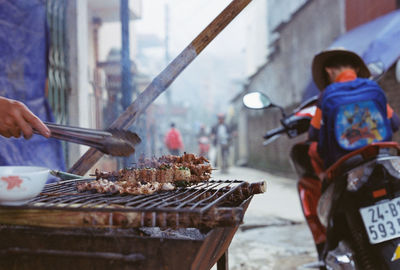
<point x="274" y="234"/>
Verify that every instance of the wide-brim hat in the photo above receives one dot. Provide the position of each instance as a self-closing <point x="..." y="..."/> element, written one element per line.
<point x="318" y="65"/>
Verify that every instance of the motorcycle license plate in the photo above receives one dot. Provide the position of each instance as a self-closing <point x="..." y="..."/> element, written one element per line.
<point x="382" y="221"/>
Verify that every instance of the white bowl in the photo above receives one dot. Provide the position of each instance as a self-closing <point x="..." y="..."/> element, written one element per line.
<point x="19" y="184"/>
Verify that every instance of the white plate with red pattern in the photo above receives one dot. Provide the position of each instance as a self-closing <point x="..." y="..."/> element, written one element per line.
<point x="20" y="184"/>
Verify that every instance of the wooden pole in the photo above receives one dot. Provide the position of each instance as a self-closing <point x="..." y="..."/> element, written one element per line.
<point x="164" y="79"/>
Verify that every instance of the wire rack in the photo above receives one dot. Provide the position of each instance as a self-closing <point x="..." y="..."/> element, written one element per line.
<point x="197" y="198"/>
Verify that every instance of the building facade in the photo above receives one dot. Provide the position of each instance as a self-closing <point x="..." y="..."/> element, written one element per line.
<point x="86" y="93"/>
<point x="295" y="39"/>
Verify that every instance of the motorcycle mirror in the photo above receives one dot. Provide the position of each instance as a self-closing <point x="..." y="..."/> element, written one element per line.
<point x="256" y="100"/>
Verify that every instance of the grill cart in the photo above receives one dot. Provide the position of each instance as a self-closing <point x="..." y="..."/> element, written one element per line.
<point x="187" y="228"/>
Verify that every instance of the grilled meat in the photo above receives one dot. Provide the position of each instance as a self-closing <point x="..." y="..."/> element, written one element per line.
<point x="187" y="167"/>
<point x="151" y="175"/>
<point x="123" y="187"/>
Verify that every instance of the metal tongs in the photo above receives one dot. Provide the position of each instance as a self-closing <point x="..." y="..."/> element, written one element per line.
<point x="112" y="141"/>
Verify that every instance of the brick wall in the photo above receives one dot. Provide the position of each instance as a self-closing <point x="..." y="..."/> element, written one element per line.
<point x="361" y="11"/>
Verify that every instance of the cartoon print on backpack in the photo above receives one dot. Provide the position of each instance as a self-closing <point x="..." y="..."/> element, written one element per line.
<point x="359" y="124"/>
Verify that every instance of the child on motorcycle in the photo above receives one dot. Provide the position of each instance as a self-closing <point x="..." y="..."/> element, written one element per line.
<point x="340" y="67"/>
<point x="334" y="71"/>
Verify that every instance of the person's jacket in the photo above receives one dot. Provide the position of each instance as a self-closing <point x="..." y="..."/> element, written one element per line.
<point x="173" y="139"/>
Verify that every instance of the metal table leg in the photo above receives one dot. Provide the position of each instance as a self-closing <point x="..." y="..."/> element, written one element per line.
<point x="222" y="263"/>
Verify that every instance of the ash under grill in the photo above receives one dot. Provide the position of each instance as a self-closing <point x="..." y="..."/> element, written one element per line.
<point x="215" y="203"/>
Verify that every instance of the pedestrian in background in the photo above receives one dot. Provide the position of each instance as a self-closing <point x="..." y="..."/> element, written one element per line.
<point x="173" y="141"/>
<point x="221" y="134"/>
<point x="203" y="141"/>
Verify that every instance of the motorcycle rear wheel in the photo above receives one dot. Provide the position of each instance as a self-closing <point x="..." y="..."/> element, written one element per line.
<point x="364" y="256"/>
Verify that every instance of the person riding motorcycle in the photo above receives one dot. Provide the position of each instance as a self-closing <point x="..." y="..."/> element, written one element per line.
<point x="330" y="69"/>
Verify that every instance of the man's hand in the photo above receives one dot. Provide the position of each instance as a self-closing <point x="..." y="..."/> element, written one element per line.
<point x="16" y="118"/>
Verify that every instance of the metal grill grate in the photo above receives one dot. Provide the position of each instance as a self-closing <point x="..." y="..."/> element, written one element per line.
<point x="211" y="204"/>
<point x="197" y="198"/>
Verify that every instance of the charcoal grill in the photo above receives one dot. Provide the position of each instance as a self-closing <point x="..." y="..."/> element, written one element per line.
<point x="188" y="228"/>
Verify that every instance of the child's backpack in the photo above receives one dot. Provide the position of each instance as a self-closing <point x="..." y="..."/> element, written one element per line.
<point x="354" y="114"/>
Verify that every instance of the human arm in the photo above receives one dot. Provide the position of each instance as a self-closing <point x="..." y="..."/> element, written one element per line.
<point x="315" y="126"/>
<point x="313" y="137"/>
<point x="15" y="118"/>
<point x="394" y="119"/>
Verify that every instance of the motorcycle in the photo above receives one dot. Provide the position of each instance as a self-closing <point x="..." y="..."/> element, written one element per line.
<point x="353" y="208"/>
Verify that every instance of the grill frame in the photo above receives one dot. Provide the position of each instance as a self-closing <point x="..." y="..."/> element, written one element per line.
<point x="47" y="236"/>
